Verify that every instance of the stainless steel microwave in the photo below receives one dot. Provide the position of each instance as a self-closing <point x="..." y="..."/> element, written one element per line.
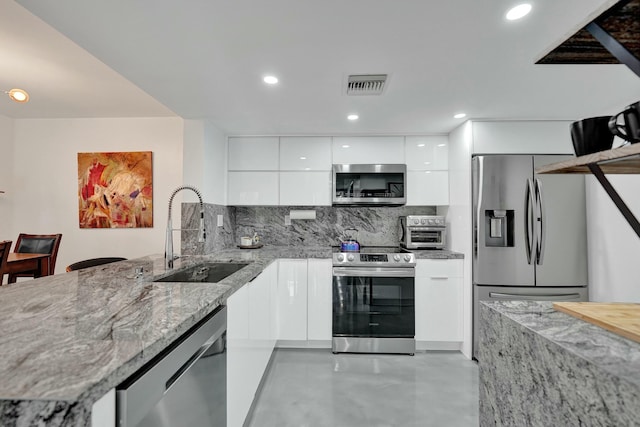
<point x="370" y="185"/>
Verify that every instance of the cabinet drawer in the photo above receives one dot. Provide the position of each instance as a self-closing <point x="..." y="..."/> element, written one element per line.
<point x="439" y="268"/>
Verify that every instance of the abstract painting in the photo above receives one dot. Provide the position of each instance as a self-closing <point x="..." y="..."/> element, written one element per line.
<point x="115" y="190"/>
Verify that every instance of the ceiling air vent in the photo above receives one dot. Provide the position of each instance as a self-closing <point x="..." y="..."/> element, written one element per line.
<point x="366" y="84"/>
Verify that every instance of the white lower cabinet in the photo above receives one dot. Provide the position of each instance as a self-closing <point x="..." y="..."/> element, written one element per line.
<point x="250" y="342"/>
<point x="438" y="294"/>
<point x="319" y="281"/>
<point x="103" y="411"/>
<point x="292" y="299"/>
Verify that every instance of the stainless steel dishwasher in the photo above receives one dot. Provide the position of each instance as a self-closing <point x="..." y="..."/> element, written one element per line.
<point x="185" y="385"/>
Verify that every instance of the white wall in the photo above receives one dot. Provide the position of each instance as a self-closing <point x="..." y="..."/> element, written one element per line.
<point x="459" y="217"/>
<point x="44" y="191"/>
<point x="6" y="177"/>
<point x="205" y="166"/>
<point x="614" y="248"/>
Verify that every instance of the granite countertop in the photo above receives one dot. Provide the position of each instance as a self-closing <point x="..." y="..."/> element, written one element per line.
<point x="618" y="356"/>
<point x="72" y="337"/>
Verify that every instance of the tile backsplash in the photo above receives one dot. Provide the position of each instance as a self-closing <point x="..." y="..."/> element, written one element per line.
<point x="377" y="226"/>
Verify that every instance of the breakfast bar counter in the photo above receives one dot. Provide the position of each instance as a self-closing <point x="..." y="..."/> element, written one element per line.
<point x="542" y="367"/>
<point x="67" y="339"/>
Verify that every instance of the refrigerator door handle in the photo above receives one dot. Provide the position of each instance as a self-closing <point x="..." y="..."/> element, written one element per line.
<point x="541" y="297"/>
<point x="528" y="220"/>
<point x="540" y="220"/>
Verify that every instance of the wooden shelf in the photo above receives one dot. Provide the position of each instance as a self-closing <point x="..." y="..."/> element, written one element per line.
<point x="621" y="19"/>
<point x="623" y="160"/>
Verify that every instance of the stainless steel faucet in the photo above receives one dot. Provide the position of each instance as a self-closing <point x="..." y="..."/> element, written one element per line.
<point x="202" y="234"/>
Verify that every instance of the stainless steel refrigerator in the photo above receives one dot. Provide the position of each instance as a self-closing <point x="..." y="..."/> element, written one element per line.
<point x="529" y="232"/>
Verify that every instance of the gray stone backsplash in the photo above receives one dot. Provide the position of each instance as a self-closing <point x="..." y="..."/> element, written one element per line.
<point x="377" y="226"/>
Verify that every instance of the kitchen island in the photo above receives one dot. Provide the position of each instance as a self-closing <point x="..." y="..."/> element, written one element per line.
<point x="542" y="367"/>
<point x="68" y="339"/>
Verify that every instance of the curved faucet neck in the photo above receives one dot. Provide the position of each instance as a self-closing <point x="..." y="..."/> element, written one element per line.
<point x="168" y="250"/>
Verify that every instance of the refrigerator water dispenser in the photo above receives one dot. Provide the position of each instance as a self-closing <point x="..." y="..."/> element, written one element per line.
<point x="498" y="230"/>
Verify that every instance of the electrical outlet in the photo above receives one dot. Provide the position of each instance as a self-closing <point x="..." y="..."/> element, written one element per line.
<point x="220" y="220"/>
<point x="287" y="220"/>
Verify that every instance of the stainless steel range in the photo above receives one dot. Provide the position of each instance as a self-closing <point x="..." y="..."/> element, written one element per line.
<point x="373" y="301"/>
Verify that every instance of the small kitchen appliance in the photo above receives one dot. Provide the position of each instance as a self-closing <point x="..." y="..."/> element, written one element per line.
<point x="374" y="301"/>
<point x="369" y="185"/>
<point x="422" y="232"/>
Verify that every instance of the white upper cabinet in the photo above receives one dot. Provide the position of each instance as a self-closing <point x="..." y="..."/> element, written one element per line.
<point x="253" y="153"/>
<point x="252" y="188"/>
<point x="427" y="152"/>
<point x="305" y="153"/>
<point x="427" y="188"/>
<point x="305" y="188"/>
<point x="522" y="137"/>
<point x="368" y="149"/>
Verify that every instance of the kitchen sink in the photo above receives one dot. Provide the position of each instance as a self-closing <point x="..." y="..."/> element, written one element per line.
<point x="210" y="272"/>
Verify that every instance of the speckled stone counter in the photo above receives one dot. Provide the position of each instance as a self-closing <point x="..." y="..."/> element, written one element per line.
<point x="541" y="367"/>
<point x="437" y="254"/>
<point x="68" y="339"/>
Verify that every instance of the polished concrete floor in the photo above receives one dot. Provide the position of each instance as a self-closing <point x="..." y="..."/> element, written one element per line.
<point x="316" y="388"/>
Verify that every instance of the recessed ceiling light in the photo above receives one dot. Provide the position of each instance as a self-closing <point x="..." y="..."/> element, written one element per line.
<point x="18" y="95"/>
<point x="420" y="145"/>
<point x="303" y="158"/>
<point x="352" y="117"/>
<point x="459" y="115"/>
<point x="441" y="145"/>
<point x="270" y="80"/>
<point x="346" y="146"/>
<point x="518" y="11"/>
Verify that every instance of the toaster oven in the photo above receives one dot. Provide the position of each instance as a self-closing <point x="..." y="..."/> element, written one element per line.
<point x="422" y="232"/>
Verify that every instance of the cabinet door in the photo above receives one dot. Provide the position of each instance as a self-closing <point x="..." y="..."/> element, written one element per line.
<point x="253" y="154"/>
<point x="310" y="153"/>
<point x="252" y="188"/>
<point x="368" y="149"/>
<point x="439" y="300"/>
<point x="522" y="137"/>
<point x="305" y="188"/>
<point x="292" y="299"/>
<point x="240" y="383"/>
<point x="319" y="277"/>
<point x="259" y="327"/>
<point x="103" y="411"/>
<point x="427" y="152"/>
<point x="427" y="188"/>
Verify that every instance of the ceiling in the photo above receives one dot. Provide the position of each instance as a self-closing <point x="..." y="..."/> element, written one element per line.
<point x="205" y="59"/>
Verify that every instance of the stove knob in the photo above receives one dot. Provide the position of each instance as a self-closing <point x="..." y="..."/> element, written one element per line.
<point x="340" y="257"/>
<point x="424" y="221"/>
<point x="416" y="221"/>
<point x="431" y="221"/>
<point x="407" y="257"/>
<point x="396" y="258"/>
<point x="350" y="257"/>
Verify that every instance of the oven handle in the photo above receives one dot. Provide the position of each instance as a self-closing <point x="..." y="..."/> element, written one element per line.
<point x="373" y="272"/>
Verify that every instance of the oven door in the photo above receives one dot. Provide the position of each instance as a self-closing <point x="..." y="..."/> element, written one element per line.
<point x="426" y="237"/>
<point x="373" y="302"/>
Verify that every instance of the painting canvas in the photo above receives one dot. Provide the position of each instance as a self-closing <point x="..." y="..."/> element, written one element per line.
<point x="115" y="190"/>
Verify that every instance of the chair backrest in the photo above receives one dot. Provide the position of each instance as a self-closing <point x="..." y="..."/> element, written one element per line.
<point x="4" y="253"/>
<point x="92" y="263"/>
<point x="40" y="244"/>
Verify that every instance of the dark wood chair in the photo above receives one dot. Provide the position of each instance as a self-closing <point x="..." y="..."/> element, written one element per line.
<point x="5" y="247"/>
<point x="92" y="263"/>
<point x="37" y="244"/>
